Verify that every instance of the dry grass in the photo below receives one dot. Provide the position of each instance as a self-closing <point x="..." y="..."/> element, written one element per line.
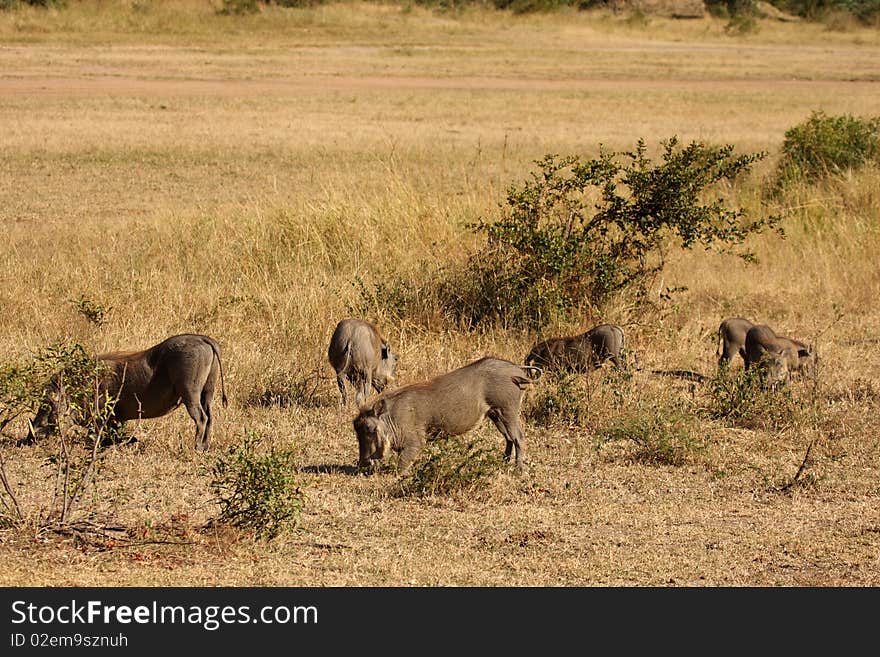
<point x="234" y="176"/>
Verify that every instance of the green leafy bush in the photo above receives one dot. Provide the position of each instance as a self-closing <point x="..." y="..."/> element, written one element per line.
<point x="663" y="435"/>
<point x="243" y="7"/>
<point x="256" y="489"/>
<point x="580" y="231"/>
<point x="515" y="6"/>
<point x="45" y="4"/>
<point x="824" y="145"/>
<point x="742" y="400"/>
<point x="562" y="398"/>
<point x="866" y="11"/>
<point x="741" y="23"/>
<point x="533" y="6"/>
<point x="239" y="7"/>
<point x="93" y="311"/>
<point x="62" y="382"/>
<point x="730" y="8"/>
<point x="453" y="465"/>
<point x="19" y="394"/>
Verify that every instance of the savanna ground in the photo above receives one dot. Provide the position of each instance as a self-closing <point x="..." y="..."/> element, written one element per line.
<point x="238" y="175"/>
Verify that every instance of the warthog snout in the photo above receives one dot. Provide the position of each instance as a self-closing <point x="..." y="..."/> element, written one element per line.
<point x="776" y="365"/>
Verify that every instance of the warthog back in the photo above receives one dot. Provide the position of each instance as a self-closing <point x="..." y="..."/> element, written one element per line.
<point x="580" y="353"/>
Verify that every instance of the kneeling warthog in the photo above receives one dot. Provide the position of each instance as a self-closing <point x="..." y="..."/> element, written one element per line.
<point x="780" y="356"/>
<point x="580" y="353"/>
<point x="732" y="339"/>
<point x="359" y="353"/>
<point x="146" y="384"/>
<point x="451" y="404"/>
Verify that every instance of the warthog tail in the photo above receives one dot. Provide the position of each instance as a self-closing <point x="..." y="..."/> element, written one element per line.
<point x="346" y="363"/>
<point x="531" y="368"/>
<point x="216" y="349"/>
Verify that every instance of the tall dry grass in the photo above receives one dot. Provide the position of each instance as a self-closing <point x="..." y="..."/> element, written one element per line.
<point x="238" y="176"/>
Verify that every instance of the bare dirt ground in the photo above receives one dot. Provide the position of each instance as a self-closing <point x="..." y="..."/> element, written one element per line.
<point x="112" y="85"/>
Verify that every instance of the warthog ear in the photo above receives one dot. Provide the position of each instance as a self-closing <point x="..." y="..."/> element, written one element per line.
<point x="379" y="407"/>
<point x="385" y="351"/>
<point x="805" y="353"/>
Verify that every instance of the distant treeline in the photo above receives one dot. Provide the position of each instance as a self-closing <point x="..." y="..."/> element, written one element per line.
<point x="866" y="11"/>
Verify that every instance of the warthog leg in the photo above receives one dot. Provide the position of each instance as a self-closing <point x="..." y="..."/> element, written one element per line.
<point x="208" y="406"/>
<point x="728" y="354"/>
<point x="340" y="381"/>
<point x="413" y="447"/>
<point x="513" y="434"/>
<point x="365" y="383"/>
<point x="200" y="417"/>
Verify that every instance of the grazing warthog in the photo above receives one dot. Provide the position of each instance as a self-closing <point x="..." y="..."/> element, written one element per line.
<point x="451" y="404"/>
<point x="580" y="353"/>
<point x="779" y="355"/>
<point x="146" y="384"/>
<point x="764" y="350"/>
<point x="732" y="339"/>
<point x="359" y="353"/>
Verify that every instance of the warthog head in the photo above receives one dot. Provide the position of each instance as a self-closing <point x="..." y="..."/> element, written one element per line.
<point x="385" y="370"/>
<point x="53" y="409"/>
<point x="372" y="435"/>
<point x="775" y="364"/>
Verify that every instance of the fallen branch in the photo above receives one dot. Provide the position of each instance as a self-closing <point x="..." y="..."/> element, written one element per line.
<point x="8" y="488"/>
<point x="800" y="470"/>
<point x="683" y="374"/>
<point x="840" y="315"/>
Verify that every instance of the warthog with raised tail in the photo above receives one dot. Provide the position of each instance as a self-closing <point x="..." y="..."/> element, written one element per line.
<point x="580" y="353"/>
<point x="146" y="384"/>
<point x="454" y="403"/>
<point x="360" y="354"/>
<point x="732" y="339"/>
<point x="780" y="356"/>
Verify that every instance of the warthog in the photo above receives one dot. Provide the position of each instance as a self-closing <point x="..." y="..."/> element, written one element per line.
<point x="580" y="353"/>
<point x="779" y="355"/>
<point x="359" y="353"/>
<point x="451" y="404"/>
<point x="732" y="339"/>
<point x="146" y="384"/>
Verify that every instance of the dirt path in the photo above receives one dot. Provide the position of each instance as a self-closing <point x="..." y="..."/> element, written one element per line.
<point x="115" y="85"/>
